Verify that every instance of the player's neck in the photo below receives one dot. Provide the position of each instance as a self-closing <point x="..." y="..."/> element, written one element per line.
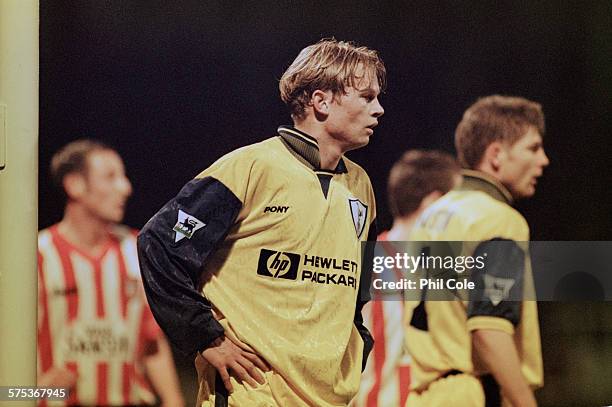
<point x="83" y="230"/>
<point x="330" y="153"/>
<point x="329" y="150"/>
<point x="402" y="226"/>
<point x="488" y="169"/>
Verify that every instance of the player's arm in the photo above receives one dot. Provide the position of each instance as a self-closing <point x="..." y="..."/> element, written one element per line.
<point x="497" y="352"/>
<point x="493" y="312"/>
<point x="161" y="372"/>
<point x="56" y="377"/>
<point x="172" y="262"/>
<point x="158" y="362"/>
<point x="363" y="296"/>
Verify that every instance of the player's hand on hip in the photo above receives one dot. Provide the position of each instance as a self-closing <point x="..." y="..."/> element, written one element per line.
<point x="230" y="359"/>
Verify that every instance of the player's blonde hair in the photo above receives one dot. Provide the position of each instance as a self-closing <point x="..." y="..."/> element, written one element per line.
<point x="328" y="65"/>
<point x="494" y="118"/>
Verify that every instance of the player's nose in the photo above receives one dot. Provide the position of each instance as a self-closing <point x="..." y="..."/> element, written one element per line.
<point x="378" y="109"/>
<point x="125" y="186"/>
<point x="544" y="160"/>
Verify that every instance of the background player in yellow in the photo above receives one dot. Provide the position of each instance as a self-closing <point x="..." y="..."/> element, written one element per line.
<point x="468" y="353"/>
<point x="96" y="334"/>
<point x="271" y="235"/>
<point x="415" y="181"/>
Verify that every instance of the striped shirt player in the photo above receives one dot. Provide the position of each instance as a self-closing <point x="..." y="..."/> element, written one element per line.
<point x="94" y="320"/>
<point x="386" y="378"/>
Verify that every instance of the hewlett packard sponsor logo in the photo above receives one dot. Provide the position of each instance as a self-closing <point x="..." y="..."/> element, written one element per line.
<point x="308" y="268"/>
<point x="278" y="264"/>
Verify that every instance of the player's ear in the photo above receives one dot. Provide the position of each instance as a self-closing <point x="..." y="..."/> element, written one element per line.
<point x="74" y="185"/>
<point x="321" y="102"/>
<point x="493" y="156"/>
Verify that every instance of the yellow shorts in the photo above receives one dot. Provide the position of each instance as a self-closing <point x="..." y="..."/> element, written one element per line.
<point x="461" y="390"/>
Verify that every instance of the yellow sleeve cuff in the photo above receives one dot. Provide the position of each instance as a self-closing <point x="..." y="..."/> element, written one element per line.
<point x="493" y="323"/>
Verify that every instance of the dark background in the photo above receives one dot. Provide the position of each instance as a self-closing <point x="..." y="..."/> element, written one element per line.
<point x="173" y="85"/>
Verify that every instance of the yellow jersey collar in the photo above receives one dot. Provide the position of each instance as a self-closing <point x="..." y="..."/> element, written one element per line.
<point x="479" y="181"/>
<point x="306" y="148"/>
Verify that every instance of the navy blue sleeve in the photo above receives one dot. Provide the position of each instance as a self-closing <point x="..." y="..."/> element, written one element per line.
<point x="172" y="250"/>
<point x="363" y="296"/>
<point x="499" y="285"/>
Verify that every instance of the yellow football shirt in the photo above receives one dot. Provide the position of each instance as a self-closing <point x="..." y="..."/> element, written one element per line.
<point x="275" y="243"/>
<point x="438" y="332"/>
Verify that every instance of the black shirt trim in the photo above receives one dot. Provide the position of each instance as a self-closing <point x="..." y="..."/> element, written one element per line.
<point x="479" y="181"/>
<point x="307" y="149"/>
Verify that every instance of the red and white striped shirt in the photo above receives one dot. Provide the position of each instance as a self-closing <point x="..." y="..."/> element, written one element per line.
<point x="385" y="382"/>
<point x="94" y="318"/>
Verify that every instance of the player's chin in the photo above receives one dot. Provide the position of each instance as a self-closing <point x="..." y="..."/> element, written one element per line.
<point x="365" y="143"/>
<point x="528" y="191"/>
<point x="115" y="216"/>
<point x="355" y="144"/>
<point x="365" y="139"/>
